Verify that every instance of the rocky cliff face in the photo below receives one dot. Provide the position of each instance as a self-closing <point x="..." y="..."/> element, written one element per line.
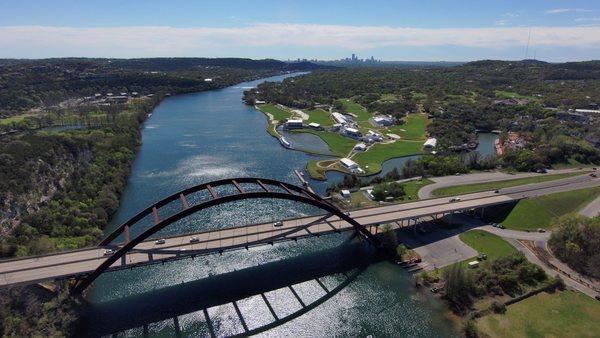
<point x="44" y="176"/>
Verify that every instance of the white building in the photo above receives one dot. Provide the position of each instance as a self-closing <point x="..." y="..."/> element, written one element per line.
<point x="314" y="125"/>
<point x="208" y="80"/>
<point x="360" y="147"/>
<point x="352" y="132"/>
<point x="339" y="118"/>
<point x="345" y="193"/>
<point x="294" y="124"/>
<point x="349" y="164"/>
<point x="383" y="120"/>
<point x="259" y="102"/>
<point x="430" y="143"/>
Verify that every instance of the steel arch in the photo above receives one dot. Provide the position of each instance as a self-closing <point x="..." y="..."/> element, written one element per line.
<point x="291" y="192"/>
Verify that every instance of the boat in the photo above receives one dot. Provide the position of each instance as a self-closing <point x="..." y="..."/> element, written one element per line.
<point x="285" y="143"/>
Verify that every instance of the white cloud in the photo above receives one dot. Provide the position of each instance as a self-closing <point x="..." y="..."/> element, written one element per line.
<point x="587" y="19"/>
<point x="44" y="41"/>
<point x="501" y="22"/>
<point x="568" y="10"/>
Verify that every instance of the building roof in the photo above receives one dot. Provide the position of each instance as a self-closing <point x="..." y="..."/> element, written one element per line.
<point x="295" y="121"/>
<point x="352" y="130"/>
<point x="314" y="125"/>
<point x="348" y="162"/>
<point x="431" y="142"/>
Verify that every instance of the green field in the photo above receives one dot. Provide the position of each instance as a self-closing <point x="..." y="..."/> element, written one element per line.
<point x="362" y="115"/>
<point x="507" y="95"/>
<point x="538" y="212"/>
<point x="372" y="159"/>
<point x="278" y="114"/>
<point x="338" y="144"/>
<point x="484" y="242"/>
<point x="560" y="314"/>
<point x="412" y="187"/>
<point x="319" y="116"/>
<point x="413" y="129"/>
<point x="477" y="187"/>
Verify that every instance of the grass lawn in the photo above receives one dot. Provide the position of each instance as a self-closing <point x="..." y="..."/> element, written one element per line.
<point x="319" y="116"/>
<point x="503" y="94"/>
<point x="539" y="212"/>
<point x="412" y="187"/>
<point x="560" y="314"/>
<point x="358" y="199"/>
<point x="338" y="144"/>
<point x="476" y="187"/>
<point x="484" y="242"/>
<point x="413" y="129"/>
<point x="278" y="114"/>
<point x="372" y="159"/>
<point x="15" y="119"/>
<point x="354" y="108"/>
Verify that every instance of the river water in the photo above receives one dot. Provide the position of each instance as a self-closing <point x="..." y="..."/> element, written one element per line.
<point x="195" y="138"/>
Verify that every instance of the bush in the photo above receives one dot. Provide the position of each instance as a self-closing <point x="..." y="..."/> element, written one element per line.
<point x="498" y="307"/>
<point x="470" y="329"/>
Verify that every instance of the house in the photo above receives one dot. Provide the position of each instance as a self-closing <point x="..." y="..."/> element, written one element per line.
<point x="351" y="166"/>
<point x="345" y="193"/>
<point x="360" y="147"/>
<point x="208" y="80"/>
<point x="383" y="120"/>
<point x="352" y="132"/>
<point x="339" y="118"/>
<point x="294" y="124"/>
<point x="430" y="143"/>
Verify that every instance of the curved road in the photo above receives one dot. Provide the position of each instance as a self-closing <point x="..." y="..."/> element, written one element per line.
<point x="449" y="181"/>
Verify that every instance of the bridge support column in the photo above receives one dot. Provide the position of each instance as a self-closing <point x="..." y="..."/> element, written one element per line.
<point x="126" y="234"/>
<point x="482" y="211"/>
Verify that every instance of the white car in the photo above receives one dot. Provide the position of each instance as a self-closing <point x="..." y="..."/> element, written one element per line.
<point x="278" y="224"/>
<point x="194" y="239"/>
<point x="160" y="241"/>
<point x="108" y="252"/>
<point x="455" y="199"/>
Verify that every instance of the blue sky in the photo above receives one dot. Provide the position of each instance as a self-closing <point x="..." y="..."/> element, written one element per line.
<point x="390" y="30"/>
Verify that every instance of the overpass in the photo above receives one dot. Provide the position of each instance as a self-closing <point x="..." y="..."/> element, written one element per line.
<point x="82" y="263"/>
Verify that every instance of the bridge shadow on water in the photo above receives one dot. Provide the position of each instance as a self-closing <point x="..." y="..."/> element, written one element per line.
<point x="346" y="262"/>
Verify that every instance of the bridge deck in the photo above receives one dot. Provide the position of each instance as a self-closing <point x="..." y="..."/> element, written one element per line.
<point x="83" y="261"/>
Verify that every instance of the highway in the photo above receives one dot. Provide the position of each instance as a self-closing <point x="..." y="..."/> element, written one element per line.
<point x="66" y="264"/>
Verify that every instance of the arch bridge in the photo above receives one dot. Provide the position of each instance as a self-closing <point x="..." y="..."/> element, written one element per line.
<point x="204" y="196"/>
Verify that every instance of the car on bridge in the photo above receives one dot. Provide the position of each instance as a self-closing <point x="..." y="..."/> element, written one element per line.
<point x="108" y="252"/>
<point x="278" y="224"/>
<point x="194" y="239"/>
<point x="455" y="199"/>
<point x="160" y="241"/>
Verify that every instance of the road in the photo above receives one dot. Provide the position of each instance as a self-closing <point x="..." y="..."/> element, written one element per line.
<point x="592" y="209"/>
<point x="35" y="269"/>
<point x="449" y="181"/>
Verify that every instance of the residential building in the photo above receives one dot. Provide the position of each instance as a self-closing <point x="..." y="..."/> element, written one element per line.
<point x="430" y="143"/>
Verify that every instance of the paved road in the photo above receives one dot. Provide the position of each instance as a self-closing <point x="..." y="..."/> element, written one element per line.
<point x="592" y="209"/>
<point x="35" y="269"/>
<point x="449" y="181"/>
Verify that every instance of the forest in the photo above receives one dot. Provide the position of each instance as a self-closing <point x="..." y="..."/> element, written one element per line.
<point x="27" y="84"/>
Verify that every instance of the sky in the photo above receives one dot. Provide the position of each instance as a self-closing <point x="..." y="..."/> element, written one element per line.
<point x="456" y="30"/>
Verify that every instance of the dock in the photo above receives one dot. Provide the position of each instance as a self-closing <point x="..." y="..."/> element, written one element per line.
<point x="303" y="180"/>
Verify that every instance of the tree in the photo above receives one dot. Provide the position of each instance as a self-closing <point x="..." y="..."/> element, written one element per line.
<point x="458" y="283"/>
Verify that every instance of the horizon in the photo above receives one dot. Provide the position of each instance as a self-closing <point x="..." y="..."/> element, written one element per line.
<point x="552" y="31"/>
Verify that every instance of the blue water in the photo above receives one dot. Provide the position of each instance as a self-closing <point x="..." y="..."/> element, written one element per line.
<point x="195" y="138"/>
